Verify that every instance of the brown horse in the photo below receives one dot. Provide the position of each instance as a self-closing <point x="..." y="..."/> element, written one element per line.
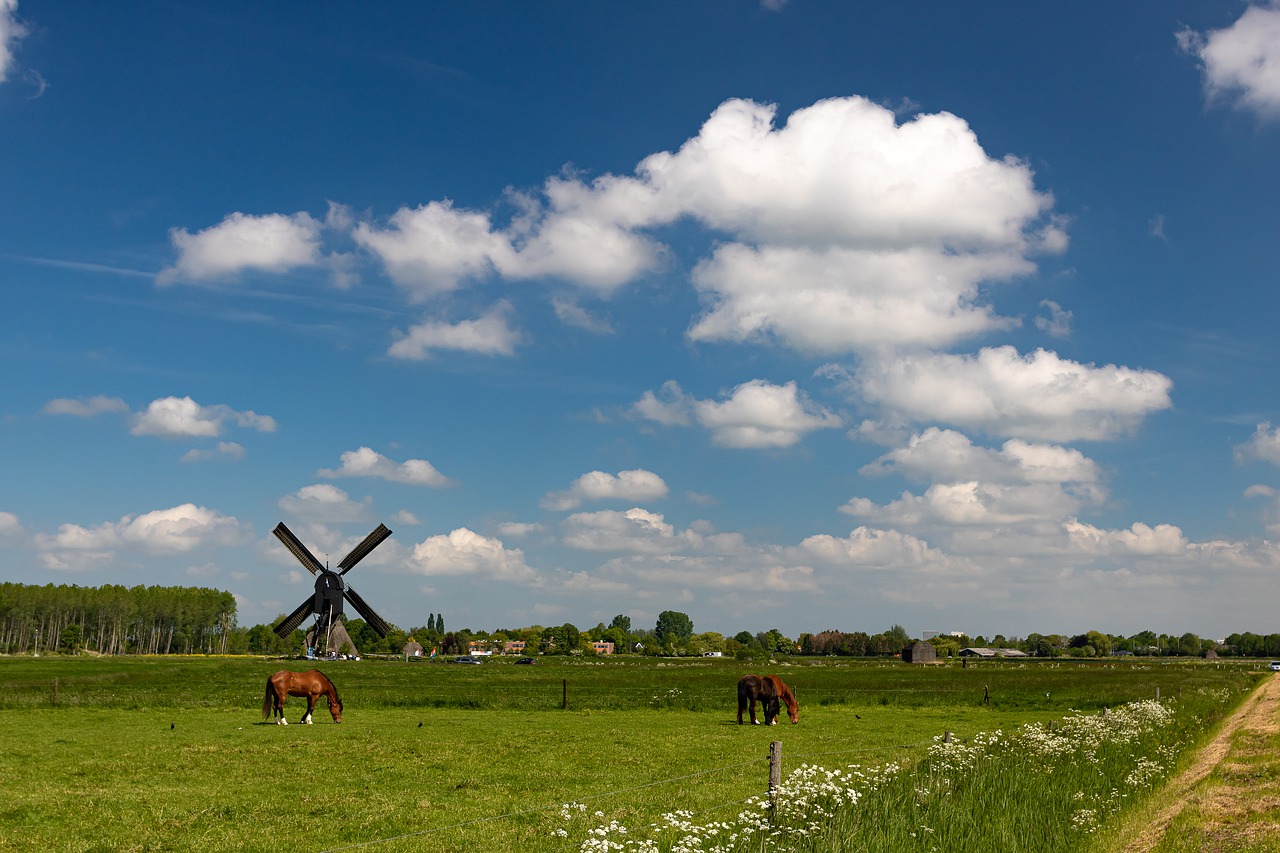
<point x="312" y="684"/>
<point x="769" y="690"/>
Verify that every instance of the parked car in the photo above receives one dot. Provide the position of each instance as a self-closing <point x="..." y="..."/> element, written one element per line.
<point x="466" y="659"/>
<point x="529" y="661"/>
<point x="1275" y="666"/>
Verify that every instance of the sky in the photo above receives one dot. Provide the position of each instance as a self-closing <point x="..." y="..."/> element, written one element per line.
<point x="797" y="315"/>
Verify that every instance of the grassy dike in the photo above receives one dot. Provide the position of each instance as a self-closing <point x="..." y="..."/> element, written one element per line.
<point x="172" y="754"/>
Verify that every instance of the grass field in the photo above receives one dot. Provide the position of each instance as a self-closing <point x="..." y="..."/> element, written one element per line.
<point x="172" y="754"/>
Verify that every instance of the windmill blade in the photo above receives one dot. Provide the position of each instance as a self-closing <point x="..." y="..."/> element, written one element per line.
<point x="296" y="548"/>
<point x="294" y="619"/>
<point x="373" y="620"/>
<point x="373" y="540"/>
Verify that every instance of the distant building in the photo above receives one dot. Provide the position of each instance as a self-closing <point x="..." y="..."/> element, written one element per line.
<point x="921" y="652"/>
<point x="980" y="652"/>
<point x="513" y="647"/>
<point x="602" y="648"/>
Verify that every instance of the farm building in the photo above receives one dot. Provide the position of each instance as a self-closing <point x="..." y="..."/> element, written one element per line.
<point x="979" y="652"/>
<point x="412" y="649"/>
<point x="920" y="652"/>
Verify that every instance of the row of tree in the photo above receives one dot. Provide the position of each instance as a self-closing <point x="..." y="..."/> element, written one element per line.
<point x="187" y="620"/>
<point x="115" y="619"/>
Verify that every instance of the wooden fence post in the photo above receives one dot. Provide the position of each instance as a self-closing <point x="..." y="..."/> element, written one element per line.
<point x="946" y="737"/>
<point x="564" y="694"/>
<point x="775" y="776"/>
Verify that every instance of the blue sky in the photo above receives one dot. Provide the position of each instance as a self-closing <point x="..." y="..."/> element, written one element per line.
<point x="788" y="315"/>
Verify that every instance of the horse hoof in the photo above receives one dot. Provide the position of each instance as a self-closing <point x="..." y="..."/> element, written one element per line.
<point x="284" y="722"/>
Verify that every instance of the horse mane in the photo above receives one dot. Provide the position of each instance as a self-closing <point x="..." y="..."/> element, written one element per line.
<point x="784" y="692"/>
<point x="332" y="687"/>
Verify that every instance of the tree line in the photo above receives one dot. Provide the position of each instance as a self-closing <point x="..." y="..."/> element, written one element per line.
<point x="190" y="620"/>
<point x="115" y="619"/>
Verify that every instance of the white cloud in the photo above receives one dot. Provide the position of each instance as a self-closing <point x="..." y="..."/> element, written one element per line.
<point x="274" y="242"/>
<point x="229" y="450"/>
<point x="757" y="414"/>
<point x="486" y="335"/>
<point x="10" y="528"/>
<point x="635" y="485"/>
<point x="1264" y="444"/>
<point x="324" y="502"/>
<point x="365" y="462"/>
<point x="841" y="299"/>
<point x="179" y="417"/>
<point x="466" y="553"/>
<point x="572" y="314"/>
<point x="971" y="503"/>
<point x="634" y="530"/>
<point x="1242" y="60"/>
<point x="1139" y="539"/>
<point x="167" y="531"/>
<point x="1056" y="321"/>
<point x="1037" y="396"/>
<point x="433" y="248"/>
<point x="947" y="455"/>
<point x="86" y="407"/>
<point x="11" y="31"/>
<point x="878" y="550"/>
<point x="519" y="529"/>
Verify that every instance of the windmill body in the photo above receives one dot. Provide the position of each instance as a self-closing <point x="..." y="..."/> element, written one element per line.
<point x="331" y="590"/>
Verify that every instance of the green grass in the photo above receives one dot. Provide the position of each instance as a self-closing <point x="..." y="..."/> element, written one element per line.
<point x="91" y="762"/>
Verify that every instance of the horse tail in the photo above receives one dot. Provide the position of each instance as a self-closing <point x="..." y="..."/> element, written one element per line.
<point x="266" y="700"/>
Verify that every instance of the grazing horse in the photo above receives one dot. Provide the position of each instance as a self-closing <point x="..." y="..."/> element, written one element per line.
<point x="769" y="690"/>
<point x="312" y="684"/>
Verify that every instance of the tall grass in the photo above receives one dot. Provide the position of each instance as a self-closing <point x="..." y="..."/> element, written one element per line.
<point x="1041" y="787"/>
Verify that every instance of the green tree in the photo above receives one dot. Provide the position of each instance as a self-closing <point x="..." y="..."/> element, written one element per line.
<point x="622" y="623"/>
<point x="71" y="640"/>
<point x="673" y="629"/>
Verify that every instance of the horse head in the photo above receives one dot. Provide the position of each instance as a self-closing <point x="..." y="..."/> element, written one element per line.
<point x="335" y="708"/>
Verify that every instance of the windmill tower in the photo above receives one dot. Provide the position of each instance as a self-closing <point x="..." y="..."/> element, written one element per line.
<point x="330" y="591"/>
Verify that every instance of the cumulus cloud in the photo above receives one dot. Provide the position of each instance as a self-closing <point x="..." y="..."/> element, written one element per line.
<point x="947" y="455"/>
<point x="756" y="414"/>
<point x="365" y="462"/>
<point x="1264" y="444"/>
<point x="182" y="417"/>
<point x="869" y="548"/>
<point x="1139" y="539"/>
<point x="273" y="242"/>
<point x="489" y="334"/>
<point x="163" y="532"/>
<point x="86" y="407"/>
<point x="10" y="528"/>
<point x="635" y="485"/>
<point x="839" y="230"/>
<point x="1243" y="60"/>
<point x="11" y="32"/>
<point x="324" y="502"/>
<point x="432" y="248"/>
<point x="970" y="503"/>
<point x="466" y="553"/>
<point x="1037" y="396"/>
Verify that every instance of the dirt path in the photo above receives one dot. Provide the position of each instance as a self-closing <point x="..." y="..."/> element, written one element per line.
<point x="1260" y="711"/>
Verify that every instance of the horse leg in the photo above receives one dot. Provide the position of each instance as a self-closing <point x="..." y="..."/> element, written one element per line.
<point x="311" y="706"/>
<point x="277" y="709"/>
<point x="742" y="706"/>
<point x="770" y="712"/>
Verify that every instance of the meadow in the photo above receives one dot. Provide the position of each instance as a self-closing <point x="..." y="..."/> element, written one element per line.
<point x="137" y="753"/>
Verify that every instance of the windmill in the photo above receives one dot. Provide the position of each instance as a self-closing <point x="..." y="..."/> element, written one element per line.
<point x="331" y="589"/>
